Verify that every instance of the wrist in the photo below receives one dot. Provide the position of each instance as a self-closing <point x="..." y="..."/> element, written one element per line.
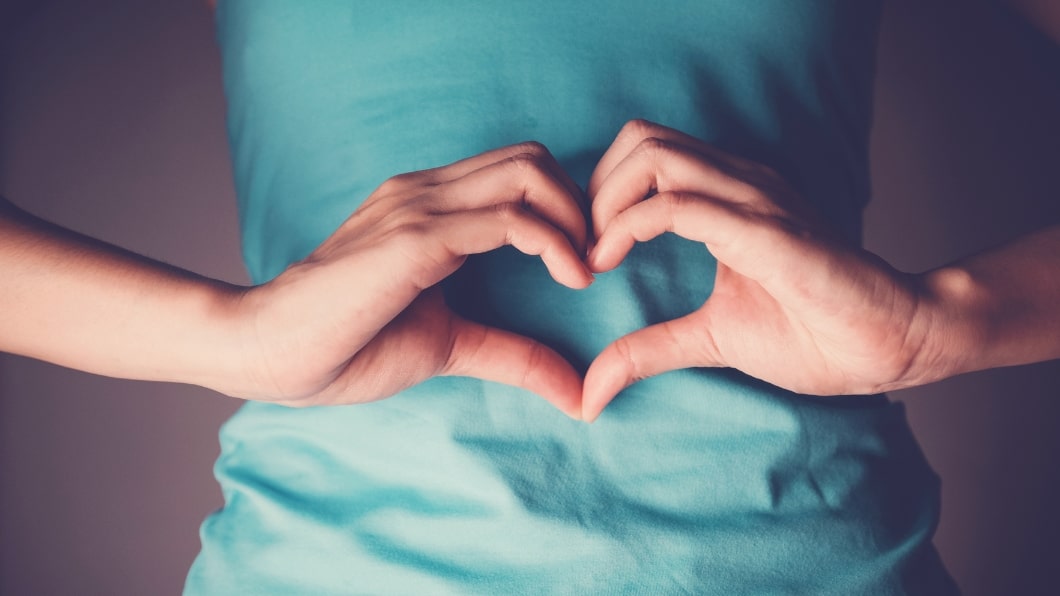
<point x="953" y="319"/>
<point x="265" y="334"/>
<point x="213" y="343"/>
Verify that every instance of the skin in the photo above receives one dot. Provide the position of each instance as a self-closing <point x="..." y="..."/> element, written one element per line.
<point x="382" y="324"/>
<point x="793" y="304"/>
<point x="361" y="319"/>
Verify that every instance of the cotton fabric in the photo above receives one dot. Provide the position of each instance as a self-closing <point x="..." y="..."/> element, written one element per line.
<point x="698" y="481"/>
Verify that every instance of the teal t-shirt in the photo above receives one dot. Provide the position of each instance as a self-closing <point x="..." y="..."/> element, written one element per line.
<point x="698" y="481"/>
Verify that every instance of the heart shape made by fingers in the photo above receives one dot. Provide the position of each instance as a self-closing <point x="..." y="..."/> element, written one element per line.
<point x="791" y="303"/>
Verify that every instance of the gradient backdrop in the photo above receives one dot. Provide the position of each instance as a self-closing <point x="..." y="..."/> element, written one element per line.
<point x="111" y="122"/>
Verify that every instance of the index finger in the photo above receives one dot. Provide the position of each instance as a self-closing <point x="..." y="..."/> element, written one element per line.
<point x="636" y="131"/>
<point x="658" y="166"/>
<point x="522" y="178"/>
<point x="540" y="152"/>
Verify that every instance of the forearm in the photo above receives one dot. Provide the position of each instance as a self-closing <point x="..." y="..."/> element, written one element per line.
<point x="77" y="302"/>
<point x="997" y="308"/>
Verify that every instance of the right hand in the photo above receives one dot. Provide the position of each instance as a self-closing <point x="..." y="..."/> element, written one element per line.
<point x="792" y="304"/>
<point x="362" y="317"/>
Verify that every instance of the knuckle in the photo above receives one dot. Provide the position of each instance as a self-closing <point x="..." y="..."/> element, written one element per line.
<point x="530" y="170"/>
<point x="508" y="213"/>
<point x="389" y="186"/>
<point x="637" y="129"/>
<point x="707" y="349"/>
<point x="534" y="148"/>
<point x="675" y="202"/>
<point x="461" y="349"/>
<point x="399" y="183"/>
<point x="526" y="163"/>
<point x="535" y="359"/>
<point x="654" y="150"/>
<point x="654" y="145"/>
<point x="624" y="351"/>
<point x="672" y="203"/>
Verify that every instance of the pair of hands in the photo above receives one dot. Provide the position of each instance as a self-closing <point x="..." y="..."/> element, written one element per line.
<point x="362" y="317"/>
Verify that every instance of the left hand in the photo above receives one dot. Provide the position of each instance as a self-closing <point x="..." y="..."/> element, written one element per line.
<point x="792" y="304"/>
<point x="362" y="317"/>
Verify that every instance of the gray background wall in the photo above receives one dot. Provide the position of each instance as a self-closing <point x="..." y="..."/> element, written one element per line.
<point x="111" y="122"/>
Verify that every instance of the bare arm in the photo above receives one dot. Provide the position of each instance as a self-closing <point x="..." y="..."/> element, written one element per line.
<point x="81" y="303"/>
<point x="794" y="305"/>
<point x="359" y="319"/>
<point x="997" y="308"/>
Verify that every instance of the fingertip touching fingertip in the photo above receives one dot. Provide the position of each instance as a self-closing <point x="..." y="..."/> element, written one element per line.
<point x="588" y="277"/>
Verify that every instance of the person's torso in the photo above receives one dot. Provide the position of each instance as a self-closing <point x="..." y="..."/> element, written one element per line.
<point x="698" y="480"/>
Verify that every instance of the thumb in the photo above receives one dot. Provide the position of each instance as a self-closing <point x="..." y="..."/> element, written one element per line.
<point x="681" y="343"/>
<point x="495" y="355"/>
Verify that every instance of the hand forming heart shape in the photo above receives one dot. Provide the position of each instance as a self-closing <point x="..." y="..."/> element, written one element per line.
<point x="362" y="317"/>
<point x="791" y="304"/>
